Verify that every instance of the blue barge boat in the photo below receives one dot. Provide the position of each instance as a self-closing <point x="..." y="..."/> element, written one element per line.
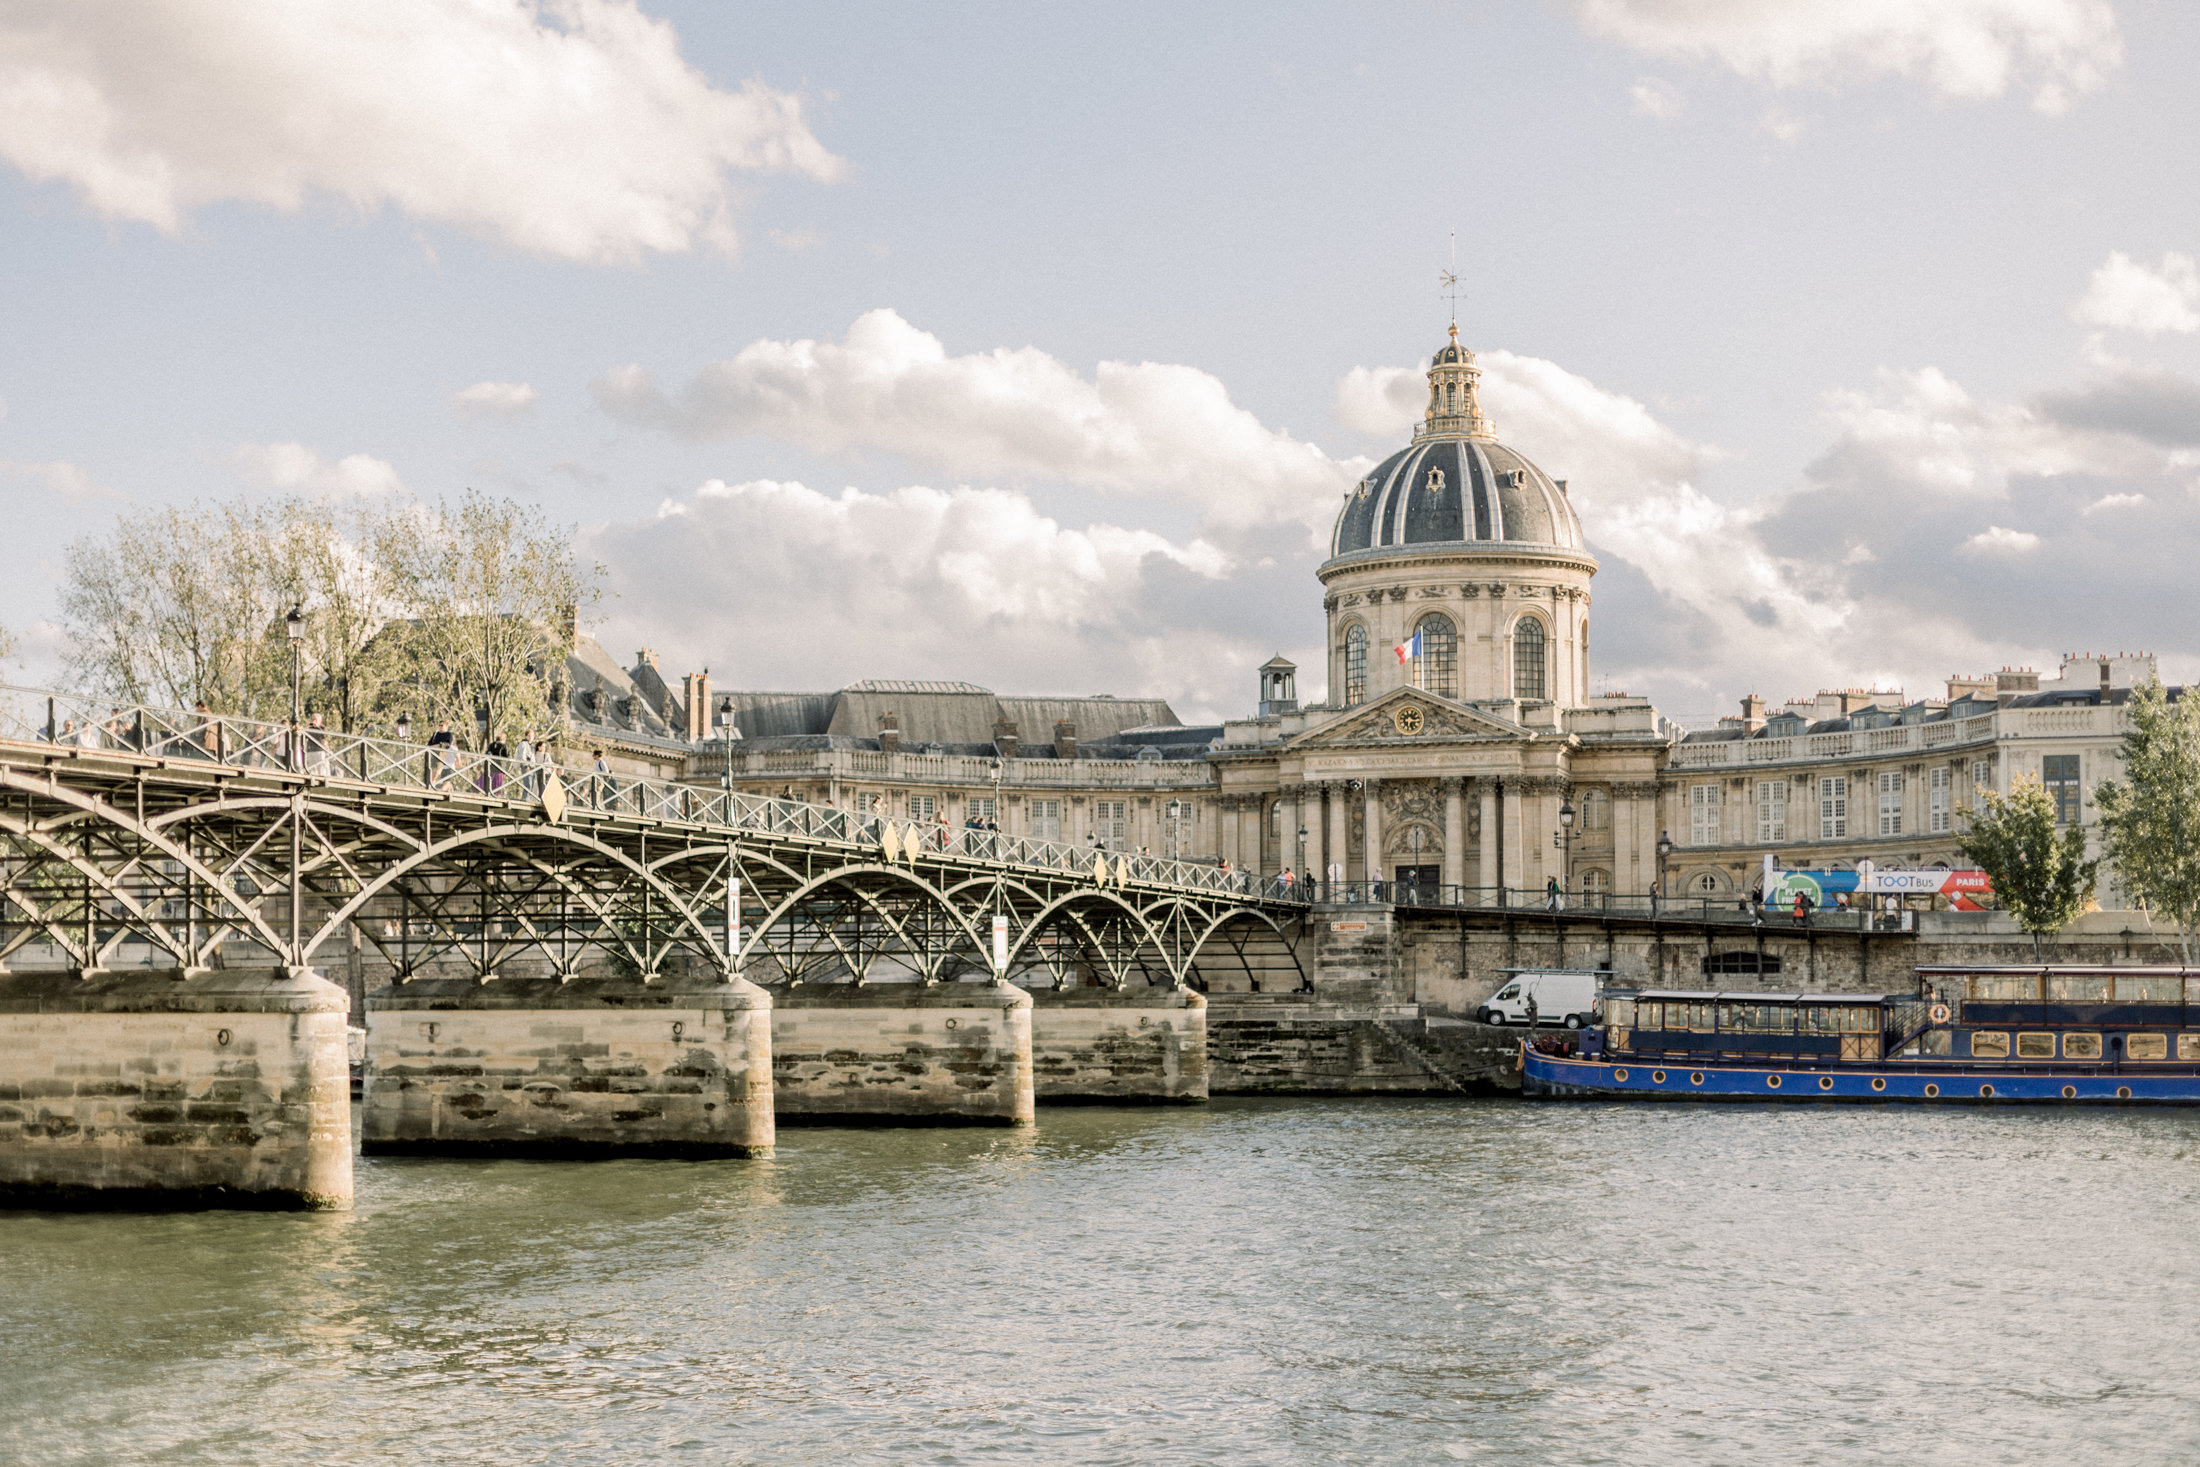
<point x="1975" y="1035"/>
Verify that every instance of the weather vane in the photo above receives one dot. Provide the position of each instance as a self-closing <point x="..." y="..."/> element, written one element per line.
<point x="1449" y="279"/>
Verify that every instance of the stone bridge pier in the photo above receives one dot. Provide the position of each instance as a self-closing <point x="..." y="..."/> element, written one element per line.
<point x="606" y="1066"/>
<point x="144" y="1087"/>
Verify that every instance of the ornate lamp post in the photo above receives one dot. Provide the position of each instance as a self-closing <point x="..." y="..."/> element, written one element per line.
<point x="1665" y="852"/>
<point x="295" y="625"/>
<point x="1563" y="838"/>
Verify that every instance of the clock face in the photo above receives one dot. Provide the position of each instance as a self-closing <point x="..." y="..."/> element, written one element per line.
<point x="1407" y="720"/>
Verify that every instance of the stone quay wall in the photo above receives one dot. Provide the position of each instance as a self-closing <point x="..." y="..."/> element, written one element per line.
<point x="228" y="1088"/>
<point x="902" y="1053"/>
<point x="596" y="1067"/>
<point x="1137" y="1045"/>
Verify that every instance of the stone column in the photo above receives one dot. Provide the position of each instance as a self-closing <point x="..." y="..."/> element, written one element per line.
<point x="1314" y="832"/>
<point x="1511" y="862"/>
<point x="1373" y="792"/>
<point x="1455" y="833"/>
<point x="1485" y="874"/>
<point x="1340" y="830"/>
<point x="1287" y="829"/>
<point x="1226" y="831"/>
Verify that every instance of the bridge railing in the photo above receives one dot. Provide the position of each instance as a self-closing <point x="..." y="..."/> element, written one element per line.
<point x="43" y="716"/>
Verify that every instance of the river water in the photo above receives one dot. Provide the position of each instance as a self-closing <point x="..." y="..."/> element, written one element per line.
<point x="1253" y="1281"/>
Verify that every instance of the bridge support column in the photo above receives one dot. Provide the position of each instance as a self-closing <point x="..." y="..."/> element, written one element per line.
<point x="606" y="1066"/>
<point x="902" y="1054"/>
<point x="1106" y="1045"/>
<point x="138" y="1088"/>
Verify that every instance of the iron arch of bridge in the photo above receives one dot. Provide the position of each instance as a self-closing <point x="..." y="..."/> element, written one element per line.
<point x="506" y="841"/>
<point x="87" y="814"/>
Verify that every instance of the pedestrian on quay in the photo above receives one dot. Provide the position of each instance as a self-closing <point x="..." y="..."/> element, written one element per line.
<point x="1802" y="909"/>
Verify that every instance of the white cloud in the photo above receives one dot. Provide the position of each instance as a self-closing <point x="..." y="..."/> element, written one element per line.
<point x="2128" y="296"/>
<point x="957" y="583"/>
<point x="293" y="466"/>
<point x="493" y="400"/>
<point x="63" y="480"/>
<point x="2115" y="501"/>
<point x="2001" y="540"/>
<point x="568" y="128"/>
<point x="1142" y="428"/>
<point x="1968" y="49"/>
<point x="1656" y="97"/>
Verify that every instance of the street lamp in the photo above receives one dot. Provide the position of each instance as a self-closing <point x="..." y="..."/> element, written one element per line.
<point x="404" y="728"/>
<point x="1665" y="852"/>
<point x="1302" y="856"/>
<point x="1563" y="838"/>
<point x="295" y="625"/>
<point x="727" y="733"/>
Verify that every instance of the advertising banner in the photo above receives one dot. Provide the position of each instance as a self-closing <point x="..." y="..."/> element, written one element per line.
<point x="1824" y="888"/>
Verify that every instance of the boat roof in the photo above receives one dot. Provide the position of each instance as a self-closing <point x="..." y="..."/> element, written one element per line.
<point x="2087" y="970"/>
<point x="1705" y="995"/>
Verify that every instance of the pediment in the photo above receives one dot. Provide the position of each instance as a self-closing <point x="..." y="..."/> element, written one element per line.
<point x="1438" y="719"/>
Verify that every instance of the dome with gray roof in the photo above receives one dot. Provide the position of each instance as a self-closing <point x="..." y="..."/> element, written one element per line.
<point x="1455" y="484"/>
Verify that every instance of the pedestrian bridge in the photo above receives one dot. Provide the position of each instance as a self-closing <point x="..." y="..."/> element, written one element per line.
<point x="135" y="836"/>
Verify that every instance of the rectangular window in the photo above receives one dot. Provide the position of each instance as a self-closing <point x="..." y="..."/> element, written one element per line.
<point x="1772" y="809"/>
<point x="1982" y="777"/>
<point x="983" y="809"/>
<point x="1703" y="814"/>
<point x="2035" y="1046"/>
<point x="1890" y="804"/>
<point x="1833" y="807"/>
<point x="2147" y="1046"/>
<point x="1110" y="821"/>
<point x="923" y="807"/>
<point x="1989" y="1046"/>
<point x="2081" y="1046"/>
<point x="1046" y="819"/>
<point x="1936" y="801"/>
<point x="2059" y="772"/>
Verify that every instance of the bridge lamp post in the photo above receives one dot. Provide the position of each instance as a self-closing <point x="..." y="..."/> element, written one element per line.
<point x="1665" y="853"/>
<point x="295" y="625"/>
<point x="1304" y="875"/>
<point x="726" y="732"/>
<point x="1563" y="838"/>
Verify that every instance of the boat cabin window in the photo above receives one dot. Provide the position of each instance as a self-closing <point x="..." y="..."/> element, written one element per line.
<point x="2003" y="987"/>
<point x="1757" y="1018"/>
<point x="1620" y="1012"/>
<point x="2035" y="1046"/>
<point x="2147" y="1046"/>
<point x="2081" y="1046"/>
<point x="1986" y="1045"/>
<point x="1695" y="1017"/>
<point x="2079" y="987"/>
<point x="2188" y="1046"/>
<point x="1839" y="1018"/>
<point x="2149" y="988"/>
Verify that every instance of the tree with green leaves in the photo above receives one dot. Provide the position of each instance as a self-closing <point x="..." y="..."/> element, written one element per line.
<point x="2040" y="873"/>
<point x="2150" y="819"/>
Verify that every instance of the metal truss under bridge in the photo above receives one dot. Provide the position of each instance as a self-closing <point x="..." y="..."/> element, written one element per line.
<point x="144" y="837"/>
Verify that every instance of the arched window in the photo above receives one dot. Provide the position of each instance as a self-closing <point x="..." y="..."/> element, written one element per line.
<point x="1528" y="680"/>
<point x="1355" y="665"/>
<point x="1596" y="886"/>
<point x="1439" y="655"/>
<point x="1596" y="810"/>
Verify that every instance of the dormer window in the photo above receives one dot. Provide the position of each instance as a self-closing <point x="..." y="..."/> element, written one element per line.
<point x="1435" y="481"/>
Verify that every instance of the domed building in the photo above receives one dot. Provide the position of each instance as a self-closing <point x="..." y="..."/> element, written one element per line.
<point x="1458" y="721"/>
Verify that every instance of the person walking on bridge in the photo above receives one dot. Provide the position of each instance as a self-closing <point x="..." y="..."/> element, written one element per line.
<point x="1553" y="898"/>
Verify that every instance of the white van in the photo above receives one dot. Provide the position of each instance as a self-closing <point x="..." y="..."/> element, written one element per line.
<point x="1562" y="996"/>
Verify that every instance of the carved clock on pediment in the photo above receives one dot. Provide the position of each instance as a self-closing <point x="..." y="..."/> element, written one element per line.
<point x="1407" y="720"/>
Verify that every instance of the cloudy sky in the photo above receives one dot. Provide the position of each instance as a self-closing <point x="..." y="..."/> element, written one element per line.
<point x="1035" y="345"/>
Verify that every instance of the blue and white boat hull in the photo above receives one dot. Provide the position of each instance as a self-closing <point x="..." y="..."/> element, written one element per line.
<point x="1558" y="1077"/>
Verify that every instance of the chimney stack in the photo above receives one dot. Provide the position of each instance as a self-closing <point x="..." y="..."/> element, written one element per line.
<point x="1004" y="738"/>
<point x="889" y="732"/>
<point x="1065" y="739"/>
<point x="1753" y="712"/>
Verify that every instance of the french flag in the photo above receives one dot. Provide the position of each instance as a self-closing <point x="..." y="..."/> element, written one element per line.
<point x="1410" y="647"/>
